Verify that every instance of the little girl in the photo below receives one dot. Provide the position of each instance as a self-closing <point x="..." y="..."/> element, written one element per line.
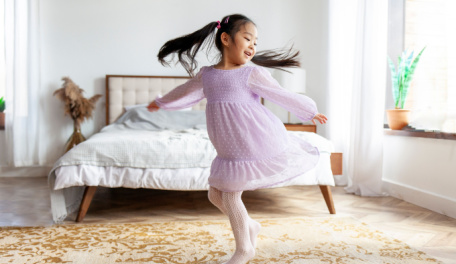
<point x="253" y="148"/>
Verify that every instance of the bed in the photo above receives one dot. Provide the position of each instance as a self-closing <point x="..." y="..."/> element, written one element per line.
<point x="168" y="150"/>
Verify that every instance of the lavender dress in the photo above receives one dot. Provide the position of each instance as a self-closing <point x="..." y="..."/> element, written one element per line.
<point x="253" y="147"/>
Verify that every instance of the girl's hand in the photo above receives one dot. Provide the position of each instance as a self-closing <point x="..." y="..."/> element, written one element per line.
<point x="320" y="117"/>
<point x="152" y="107"/>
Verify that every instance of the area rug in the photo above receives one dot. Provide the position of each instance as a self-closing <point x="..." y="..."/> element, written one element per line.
<point x="290" y="240"/>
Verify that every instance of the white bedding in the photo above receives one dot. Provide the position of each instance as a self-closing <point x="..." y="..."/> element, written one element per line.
<point x="192" y="179"/>
<point x="162" y="150"/>
<point x="186" y="148"/>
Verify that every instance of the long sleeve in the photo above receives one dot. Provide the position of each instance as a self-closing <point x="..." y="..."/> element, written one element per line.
<point x="184" y="95"/>
<point x="263" y="84"/>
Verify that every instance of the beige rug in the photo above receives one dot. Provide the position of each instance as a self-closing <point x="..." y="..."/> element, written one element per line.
<point x="296" y="240"/>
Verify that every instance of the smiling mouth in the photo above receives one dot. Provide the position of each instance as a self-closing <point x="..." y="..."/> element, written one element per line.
<point x="248" y="53"/>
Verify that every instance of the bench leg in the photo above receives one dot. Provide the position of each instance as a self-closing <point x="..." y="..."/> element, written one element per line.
<point x="86" y="200"/>
<point x="326" y="191"/>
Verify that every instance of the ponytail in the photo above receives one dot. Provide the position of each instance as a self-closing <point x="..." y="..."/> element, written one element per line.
<point x="277" y="59"/>
<point x="188" y="46"/>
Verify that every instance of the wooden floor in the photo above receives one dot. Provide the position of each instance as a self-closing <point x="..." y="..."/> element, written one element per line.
<point x="25" y="202"/>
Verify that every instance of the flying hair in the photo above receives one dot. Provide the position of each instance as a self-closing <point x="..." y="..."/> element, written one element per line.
<point x="187" y="47"/>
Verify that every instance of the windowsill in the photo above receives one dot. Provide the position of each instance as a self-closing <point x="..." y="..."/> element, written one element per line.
<point x="411" y="132"/>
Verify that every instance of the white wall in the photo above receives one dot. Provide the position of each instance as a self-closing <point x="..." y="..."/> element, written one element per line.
<point x="421" y="171"/>
<point x="86" y="40"/>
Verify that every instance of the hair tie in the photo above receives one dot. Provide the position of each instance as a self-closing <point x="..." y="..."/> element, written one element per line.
<point x="218" y="26"/>
<point x="226" y="20"/>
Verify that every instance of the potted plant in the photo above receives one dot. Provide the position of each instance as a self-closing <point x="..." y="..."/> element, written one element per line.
<point x="401" y="79"/>
<point x="2" y="113"/>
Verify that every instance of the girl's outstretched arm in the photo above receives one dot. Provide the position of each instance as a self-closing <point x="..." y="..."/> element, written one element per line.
<point x="263" y="84"/>
<point x="182" y="96"/>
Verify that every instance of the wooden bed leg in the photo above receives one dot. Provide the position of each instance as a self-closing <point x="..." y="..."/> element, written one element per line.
<point x="326" y="191"/>
<point x="86" y="200"/>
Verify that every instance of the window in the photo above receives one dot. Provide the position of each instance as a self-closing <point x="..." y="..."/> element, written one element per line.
<point x="432" y="95"/>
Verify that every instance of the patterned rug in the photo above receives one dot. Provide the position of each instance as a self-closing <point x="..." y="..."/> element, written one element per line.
<point x="291" y="240"/>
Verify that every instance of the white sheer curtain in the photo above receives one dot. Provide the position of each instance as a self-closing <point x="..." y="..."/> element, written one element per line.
<point x="357" y="81"/>
<point x="22" y="93"/>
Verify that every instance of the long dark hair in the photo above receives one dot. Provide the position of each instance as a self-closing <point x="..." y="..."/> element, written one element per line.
<point x="186" y="47"/>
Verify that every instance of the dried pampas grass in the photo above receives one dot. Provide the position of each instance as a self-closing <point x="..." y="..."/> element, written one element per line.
<point x="76" y="105"/>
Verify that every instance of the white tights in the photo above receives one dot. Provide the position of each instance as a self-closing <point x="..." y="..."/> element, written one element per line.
<point x="245" y="229"/>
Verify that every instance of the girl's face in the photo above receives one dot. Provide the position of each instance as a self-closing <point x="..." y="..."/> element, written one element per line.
<point x="242" y="47"/>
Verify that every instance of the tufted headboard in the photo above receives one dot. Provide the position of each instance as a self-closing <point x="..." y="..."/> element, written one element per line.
<point x="126" y="90"/>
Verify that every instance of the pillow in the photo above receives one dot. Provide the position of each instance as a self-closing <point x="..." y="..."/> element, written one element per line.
<point x="140" y="118"/>
<point x="129" y="107"/>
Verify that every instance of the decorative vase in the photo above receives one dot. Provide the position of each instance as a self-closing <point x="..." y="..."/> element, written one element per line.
<point x="2" y="120"/>
<point x="398" y="118"/>
<point x="74" y="139"/>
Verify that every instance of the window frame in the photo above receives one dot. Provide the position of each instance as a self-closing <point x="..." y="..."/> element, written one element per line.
<point x="396" y="40"/>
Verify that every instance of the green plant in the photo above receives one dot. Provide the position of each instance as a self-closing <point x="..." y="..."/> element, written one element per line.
<point x="2" y="105"/>
<point x="402" y="77"/>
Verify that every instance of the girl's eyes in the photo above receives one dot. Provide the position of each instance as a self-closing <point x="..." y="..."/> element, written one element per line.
<point x="249" y="41"/>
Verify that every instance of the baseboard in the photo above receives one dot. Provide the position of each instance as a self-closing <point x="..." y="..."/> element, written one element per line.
<point x="38" y="171"/>
<point x="432" y="201"/>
